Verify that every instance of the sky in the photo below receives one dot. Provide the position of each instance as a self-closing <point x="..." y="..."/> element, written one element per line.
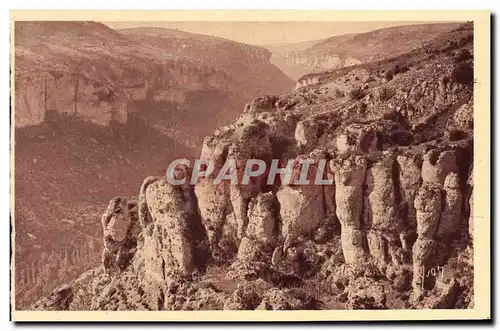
<point x="266" y="33"/>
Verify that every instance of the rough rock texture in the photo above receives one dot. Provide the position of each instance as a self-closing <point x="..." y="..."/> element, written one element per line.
<point x="437" y="166"/>
<point x="410" y="181"/>
<point x="388" y="231"/>
<point x="262" y="218"/>
<point x="244" y="297"/>
<point x="349" y="180"/>
<point x="285" y="299"/>
<point x="301" y="209"/>
<point x="357" y="138"/>
<point x="89" y="71"/>
<point x="451" y="215"/>
<point x="365" y="293"/>
<point x="171" y="242"/>
<point x="121" y="231"/>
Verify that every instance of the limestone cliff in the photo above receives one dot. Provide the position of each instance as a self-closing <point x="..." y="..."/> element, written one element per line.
<point x="89" y="71"/>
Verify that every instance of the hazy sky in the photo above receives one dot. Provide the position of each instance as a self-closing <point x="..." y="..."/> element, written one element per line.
<point x="262" y="33"/>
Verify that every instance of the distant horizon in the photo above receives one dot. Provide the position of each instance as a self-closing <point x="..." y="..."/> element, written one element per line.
<point x="269" y="33"/>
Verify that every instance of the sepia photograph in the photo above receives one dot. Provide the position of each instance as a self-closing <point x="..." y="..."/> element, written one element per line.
<point x="250" y="165"/>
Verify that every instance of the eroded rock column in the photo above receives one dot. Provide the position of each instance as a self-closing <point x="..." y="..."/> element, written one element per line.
<point x="452" y="211"/>
<point x="383" y="200"/>
<point x="173" y="244"/>
<point x="349" y="180"/>
<point x="428" y="210"/>
<point x="410" y="179"/>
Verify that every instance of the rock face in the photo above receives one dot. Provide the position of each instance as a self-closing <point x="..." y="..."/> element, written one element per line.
<point x="437" y="166"/>
<point x="387" y="221"/>
<point x="410" y="180"/>
<point x="171" y="242"/>
<point x="121" y="231"/>
<point x="301" y="209"/>
<point x="428" y="205"/>
<point x="262" y="218"/>
<point x="349" y="180"/>
<point x="451" y="216"/>
<point x="86" y="70"/>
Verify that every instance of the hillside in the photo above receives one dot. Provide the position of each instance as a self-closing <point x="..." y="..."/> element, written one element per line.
<point x="393" y="231"/>
<point x="62" y="67"/>
<point x="351" y="49"/>
<point x="98" y="109"/>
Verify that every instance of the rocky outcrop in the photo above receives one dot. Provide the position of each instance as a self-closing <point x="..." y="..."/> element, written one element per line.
<point x="349" y="181"/>
<point x="262" y="218"/>
<point x="301" y="209"/>
<point x="452" y="209"/>
<point x="86" y="70"/>
<point x="357" y="138"/>
<point x="410" y="169"/>
<point x="121" y="231"/>
<point x="436" y="166"/>
<point x="173" y="243"/>
<point x="382" y="212"/>
<point x="428" y="205"/>
<point x="376" y="233"/>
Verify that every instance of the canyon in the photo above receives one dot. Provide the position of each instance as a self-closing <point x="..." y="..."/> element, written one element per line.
<point x="299" y="59"/>
<point x="397" y="134"/>
<point x="97" y="109"/>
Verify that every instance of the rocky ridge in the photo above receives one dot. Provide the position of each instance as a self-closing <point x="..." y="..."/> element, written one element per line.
<point x="392" y="232"/>
<point x="90" y="71"/>
<point x="91" y="103"/>
<point x="347" y="50"/>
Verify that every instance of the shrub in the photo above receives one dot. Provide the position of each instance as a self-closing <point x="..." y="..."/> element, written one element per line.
<point x="384" y="93"/>
<point x="463" y="74"/>
<point x="462" y="55"/>
<point x="356" y="94"/>
<point x="388" y="75"/>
